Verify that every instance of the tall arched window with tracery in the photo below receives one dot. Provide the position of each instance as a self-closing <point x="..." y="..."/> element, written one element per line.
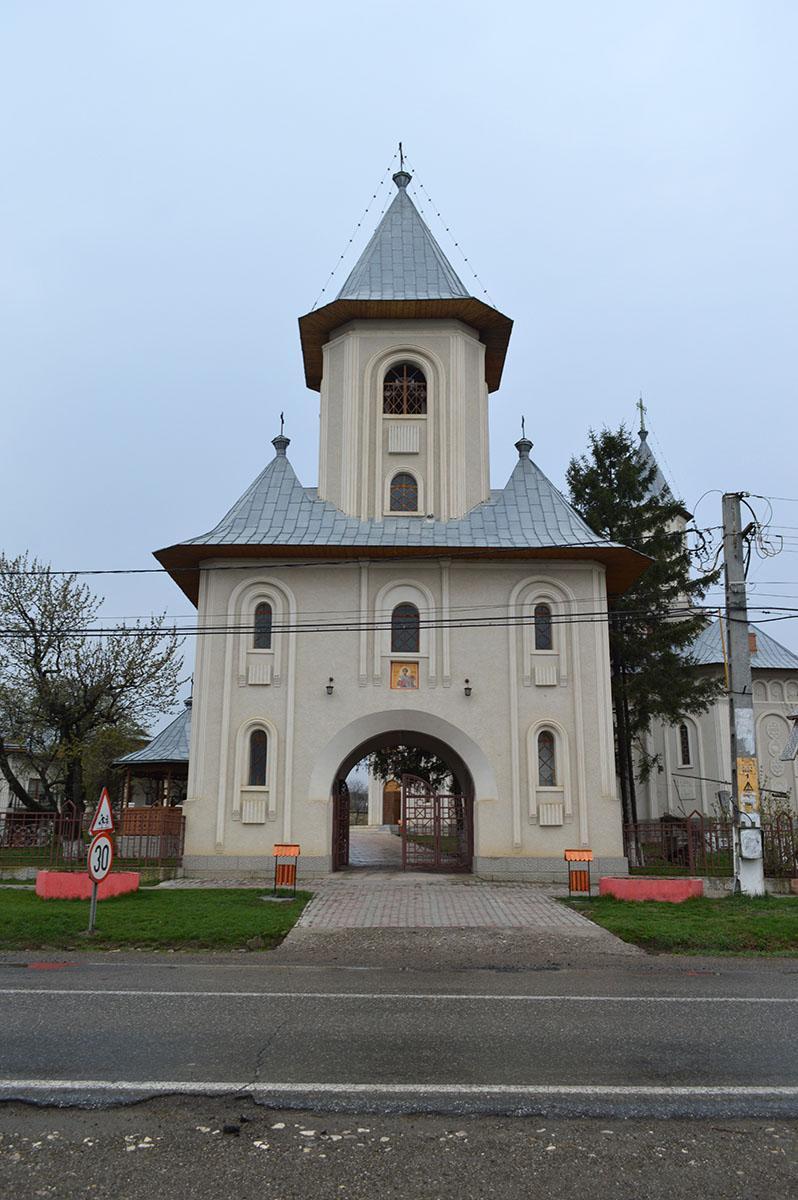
<point x="544" y="637"/>
<point x="547" y="759"/>
<point x="262" y="635"/>
<point x="404" y="391"/>
<point x="404" y="492"/>
<point x="258" y="748"/>
<point x="685" y="755"/>
<point x="405" y="630"/>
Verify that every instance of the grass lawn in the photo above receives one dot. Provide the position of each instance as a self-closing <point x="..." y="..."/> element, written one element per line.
<point x="733" y="925"/>
<point x="184" y="919"/>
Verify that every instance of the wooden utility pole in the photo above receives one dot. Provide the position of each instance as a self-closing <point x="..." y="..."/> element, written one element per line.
<point x="749" y="875"/>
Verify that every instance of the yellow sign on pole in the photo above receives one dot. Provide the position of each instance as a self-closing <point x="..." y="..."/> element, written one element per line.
<point x="748" y="784"/>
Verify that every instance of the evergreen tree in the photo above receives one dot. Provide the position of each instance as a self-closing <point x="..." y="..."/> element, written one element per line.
<point x="654" y="623"/>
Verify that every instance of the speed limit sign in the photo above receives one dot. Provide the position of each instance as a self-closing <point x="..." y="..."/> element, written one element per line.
<point x="101" y="856"/>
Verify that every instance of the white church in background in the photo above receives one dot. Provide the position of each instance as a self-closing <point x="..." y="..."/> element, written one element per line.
<point x="402" y="601"/>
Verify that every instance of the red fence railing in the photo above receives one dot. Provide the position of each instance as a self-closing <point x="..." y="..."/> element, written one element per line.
<point x="699" y="845"/>
<point x="151" y="841"/>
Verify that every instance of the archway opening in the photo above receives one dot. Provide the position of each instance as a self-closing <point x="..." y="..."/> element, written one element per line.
<point x="403" y="799"/>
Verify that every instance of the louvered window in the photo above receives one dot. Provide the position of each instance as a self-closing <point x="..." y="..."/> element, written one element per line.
<point x="404" y="391"/>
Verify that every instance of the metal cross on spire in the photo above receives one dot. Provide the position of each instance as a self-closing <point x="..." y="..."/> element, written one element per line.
<point x="523" y="429"/>
<point x="642" y="410"/>
<point x="401" y="158"/>
<point x="282" y="423"/>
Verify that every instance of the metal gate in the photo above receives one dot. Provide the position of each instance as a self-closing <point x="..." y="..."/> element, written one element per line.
<point x="340" y="854"/>
<point x="437" y="828"/>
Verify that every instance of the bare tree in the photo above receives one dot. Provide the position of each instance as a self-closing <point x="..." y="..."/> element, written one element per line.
<point x="60" y="683"/>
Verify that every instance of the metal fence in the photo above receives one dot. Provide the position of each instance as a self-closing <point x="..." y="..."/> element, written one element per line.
<point x="699" y="845"/>
<point x="31" y="841"/>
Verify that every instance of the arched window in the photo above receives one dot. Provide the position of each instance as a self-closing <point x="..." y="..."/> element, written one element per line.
<point x="543" y="632"/>
<point x="258" y="743"/>
<point x="404" y="493"/>
<point x="405" y="630"/>
<point x="262" y="638"/>
<point x="547" y="760"/>
<point x="685" y="757"/>
<point x="404" y="391"/>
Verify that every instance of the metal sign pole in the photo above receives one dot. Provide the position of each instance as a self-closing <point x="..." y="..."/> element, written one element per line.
<point x="93" y="907"/>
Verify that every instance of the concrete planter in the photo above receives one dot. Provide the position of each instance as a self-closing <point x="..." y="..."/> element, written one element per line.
<point x="76" y="885"/>
<point x="673" y="891"/>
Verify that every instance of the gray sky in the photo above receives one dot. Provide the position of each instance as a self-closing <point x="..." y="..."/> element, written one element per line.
<point x="180" y="178"/>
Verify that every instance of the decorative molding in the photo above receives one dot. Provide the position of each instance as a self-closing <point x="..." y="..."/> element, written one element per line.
<point x="550" y="812"/>
<point x="546" y="674"/>
<point x="404" y="437"/>
<point x="259" y="673"/>
<point x="363" y="664"/>
<point x="199" y="713"/>
<point x="241" y="790"/>
<point x="606" y="733"/>
<point x="411" y="591"/>
<point x="446" y="633"/>
<point x="242" y="594"/>
<point x="253" y="808"/>
<point x="561" y="794"/>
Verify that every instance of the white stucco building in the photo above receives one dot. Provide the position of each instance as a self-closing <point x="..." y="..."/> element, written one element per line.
<point x="695" y="755"/>
<point x="402" y="601"/>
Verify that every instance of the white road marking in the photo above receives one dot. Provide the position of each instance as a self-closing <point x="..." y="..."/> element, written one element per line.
<point x="394" y="996"/>
<point x="226" y="1087"/>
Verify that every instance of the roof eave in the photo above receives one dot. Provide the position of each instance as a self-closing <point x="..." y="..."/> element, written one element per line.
<point x="494" y="327"/>
<point x="623" y="566"/>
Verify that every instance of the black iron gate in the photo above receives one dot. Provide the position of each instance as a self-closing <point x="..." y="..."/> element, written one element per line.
<point x="340" y="853"/>
<point x="437" y="828"/>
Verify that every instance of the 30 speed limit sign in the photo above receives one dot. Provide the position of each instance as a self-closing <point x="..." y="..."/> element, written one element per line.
<point x="101" y="856"/>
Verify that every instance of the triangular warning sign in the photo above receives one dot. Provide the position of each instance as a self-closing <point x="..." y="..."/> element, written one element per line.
<point x="103" y="819"/>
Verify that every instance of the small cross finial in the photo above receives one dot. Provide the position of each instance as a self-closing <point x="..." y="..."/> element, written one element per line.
<point x="282" y="423"/>
<point x="642" y="410"/>
<point x="523" y="428"/>
<point x="401" y="158"/>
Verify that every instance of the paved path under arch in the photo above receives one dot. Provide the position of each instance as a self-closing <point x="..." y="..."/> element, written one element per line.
<point x="380" y="899"/>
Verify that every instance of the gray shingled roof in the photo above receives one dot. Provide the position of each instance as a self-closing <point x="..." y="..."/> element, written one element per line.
<point x="707" y="650"/>
<point x="277" y="510"/>
<point x="169" y="746"/>
<point x="402" y="261"/>
<point x="659" y="484"/>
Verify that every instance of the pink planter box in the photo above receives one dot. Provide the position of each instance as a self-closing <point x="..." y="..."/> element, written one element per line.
<point x="674" y="891"/>
<point x="76" y="885"/>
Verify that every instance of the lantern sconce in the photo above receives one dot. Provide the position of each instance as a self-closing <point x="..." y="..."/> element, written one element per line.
<point x="330" y="686"/>
<point x="467" y="687"/>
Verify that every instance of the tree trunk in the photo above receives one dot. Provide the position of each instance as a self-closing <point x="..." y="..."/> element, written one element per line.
<point x="17" y="789"/>
<point x="74" y="791"/>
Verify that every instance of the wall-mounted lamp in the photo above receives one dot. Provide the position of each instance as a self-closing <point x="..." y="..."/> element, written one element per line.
<point x="330" y="686"/>
<point x="467" y="688"/>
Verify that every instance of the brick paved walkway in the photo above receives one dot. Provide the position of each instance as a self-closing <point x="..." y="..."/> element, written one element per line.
<point x="374" y="847"/>
<point x="386" y="900"/>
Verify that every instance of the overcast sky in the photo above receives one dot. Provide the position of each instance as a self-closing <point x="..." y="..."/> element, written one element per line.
<point x="179" y="179"/>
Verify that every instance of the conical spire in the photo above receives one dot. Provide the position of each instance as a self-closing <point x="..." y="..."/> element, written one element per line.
<point x="402" y="261"/>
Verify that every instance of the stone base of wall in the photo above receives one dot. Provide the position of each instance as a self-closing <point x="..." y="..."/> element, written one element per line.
<point x="231" y="866"/>
<point x="506" y="870"/>
<point x="543" y="870"/>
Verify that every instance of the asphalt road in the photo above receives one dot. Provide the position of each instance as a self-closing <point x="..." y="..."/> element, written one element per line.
<point x="180" y="1148"/>
<point x="625" y="1039"/>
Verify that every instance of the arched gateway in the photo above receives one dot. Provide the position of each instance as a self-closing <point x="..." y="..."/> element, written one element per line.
<point x="436" y="825"/>
<point x="438" y="828"/>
